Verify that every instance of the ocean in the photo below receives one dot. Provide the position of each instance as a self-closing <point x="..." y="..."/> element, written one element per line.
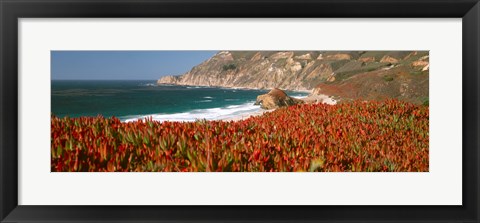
<point x="133" y="100"/>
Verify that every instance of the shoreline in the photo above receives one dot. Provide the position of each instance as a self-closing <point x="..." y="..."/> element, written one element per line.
<point x="238" y="117"/>
<point x="234" y="88"/>
<point x="309" y="99"/>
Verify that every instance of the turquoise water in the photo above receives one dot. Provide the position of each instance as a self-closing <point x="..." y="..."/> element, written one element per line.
<point x="131" y="100"/>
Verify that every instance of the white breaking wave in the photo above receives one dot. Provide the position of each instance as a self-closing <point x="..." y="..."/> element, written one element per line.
<point x="228" y="112"/>
<point x="207" y="97"/>
<point x="148" y="85"/>
<point x="204" y="101"/>
<point x="299" y="96"/>
<point x="197" y="87"/>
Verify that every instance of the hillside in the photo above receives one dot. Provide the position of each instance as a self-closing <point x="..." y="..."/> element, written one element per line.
<point x="343" y="75"/>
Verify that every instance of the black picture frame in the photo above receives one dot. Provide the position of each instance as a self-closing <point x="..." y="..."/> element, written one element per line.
<point x="12" y="10"/>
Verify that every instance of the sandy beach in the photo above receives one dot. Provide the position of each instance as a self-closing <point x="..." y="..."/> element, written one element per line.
<point x="311" y="99"/>
<point x="320" y="98"/>
<point x="245" y="116"/>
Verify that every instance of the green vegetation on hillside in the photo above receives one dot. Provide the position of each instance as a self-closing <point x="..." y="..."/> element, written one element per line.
<point x="229" y="67"/>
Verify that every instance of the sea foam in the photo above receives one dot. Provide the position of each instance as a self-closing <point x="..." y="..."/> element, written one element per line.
<point x="222" y="113"/>
<point x="148" y="85"/>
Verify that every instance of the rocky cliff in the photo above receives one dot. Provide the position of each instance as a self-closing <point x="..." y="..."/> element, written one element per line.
<point x="341" y="74"/>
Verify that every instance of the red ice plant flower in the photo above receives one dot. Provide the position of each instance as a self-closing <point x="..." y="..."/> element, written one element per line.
<point x="359" y="136"/>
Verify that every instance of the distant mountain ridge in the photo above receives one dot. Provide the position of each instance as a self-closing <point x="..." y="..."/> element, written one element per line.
<point x="341" y="74"/>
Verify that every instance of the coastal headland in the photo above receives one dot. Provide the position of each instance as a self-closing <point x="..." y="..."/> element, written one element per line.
<point x="326" y="75"/>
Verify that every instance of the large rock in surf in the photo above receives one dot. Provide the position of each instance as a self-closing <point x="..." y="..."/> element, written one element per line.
<point x="276" y="98"/>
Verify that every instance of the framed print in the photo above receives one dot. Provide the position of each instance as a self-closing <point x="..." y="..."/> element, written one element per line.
<point x="239" y="111"/>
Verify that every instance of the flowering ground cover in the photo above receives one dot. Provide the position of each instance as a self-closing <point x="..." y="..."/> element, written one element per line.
<point x="369" y="136"/>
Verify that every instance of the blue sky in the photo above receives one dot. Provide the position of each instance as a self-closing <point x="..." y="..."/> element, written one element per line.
<point x="123" y="65"/>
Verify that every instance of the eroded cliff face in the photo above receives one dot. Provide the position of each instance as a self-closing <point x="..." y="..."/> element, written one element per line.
<point x="343" y="74"/>
<point x="291" y="70"/>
